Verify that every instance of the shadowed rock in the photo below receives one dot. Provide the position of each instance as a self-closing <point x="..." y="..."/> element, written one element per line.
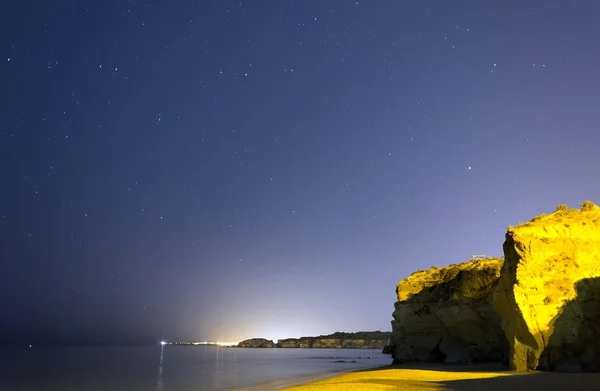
<point x="446" y="315"/>
<point x="548" y="296"/>
<point x="574" y="345"/>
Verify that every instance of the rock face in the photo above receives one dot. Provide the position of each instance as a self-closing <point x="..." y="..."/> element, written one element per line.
<point x="549" y="291"/>
<point x="387" y="348"/>
<point x="256" y="343"/>
<point x="446" y="315"/>
<point x="340" y="340"/>
<point x="304" y="342"/>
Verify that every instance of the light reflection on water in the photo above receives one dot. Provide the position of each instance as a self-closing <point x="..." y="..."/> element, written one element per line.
<point x="159" y="381"/>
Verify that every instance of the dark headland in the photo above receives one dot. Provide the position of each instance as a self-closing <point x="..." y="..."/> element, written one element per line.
<point x="340" y="340"/>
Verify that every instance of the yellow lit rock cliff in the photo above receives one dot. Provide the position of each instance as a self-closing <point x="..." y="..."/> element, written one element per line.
<point x="548" y="295"/>
<point x="446" y="315"/>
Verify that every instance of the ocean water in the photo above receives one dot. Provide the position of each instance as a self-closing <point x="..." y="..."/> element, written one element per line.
<point x="172" y="368"/>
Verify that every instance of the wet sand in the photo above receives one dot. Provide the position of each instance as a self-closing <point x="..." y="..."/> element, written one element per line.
<point x="450" y="378"/>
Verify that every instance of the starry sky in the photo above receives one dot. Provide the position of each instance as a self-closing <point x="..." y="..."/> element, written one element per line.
<point x="220" y="170"/>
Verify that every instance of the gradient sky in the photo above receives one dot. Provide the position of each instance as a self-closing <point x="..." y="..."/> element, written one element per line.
<point x="220" y="170"/>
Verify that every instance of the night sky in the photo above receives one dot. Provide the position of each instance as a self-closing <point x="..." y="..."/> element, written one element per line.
<point x="220" y="170"/>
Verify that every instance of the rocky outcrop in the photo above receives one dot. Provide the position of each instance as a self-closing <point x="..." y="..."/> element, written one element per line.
<point x="304" y="342"/>
<point x="359" y="340"/>
<point x="339" y="340"/>
<point x="446" y="315"/>
<point x="390" y="347"/>
<point x="363" y="344"/>
<point x="549" y="291"/>
<point x="539" y="308"/>
<point x="325" y="343"/>
<point x="256" y="343"/>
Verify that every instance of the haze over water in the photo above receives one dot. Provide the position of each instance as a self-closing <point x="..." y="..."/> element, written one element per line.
<point x="169" y="368"/>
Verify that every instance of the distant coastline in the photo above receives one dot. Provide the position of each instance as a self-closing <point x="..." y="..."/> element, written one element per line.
<point x="338" y="340"/>
<point x="208" y="343"/>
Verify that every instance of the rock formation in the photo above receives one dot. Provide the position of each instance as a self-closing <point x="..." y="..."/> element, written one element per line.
<point x="359" y="340"/>
<point x="549" y="292"/>
<point x="304" y="342"/>
<point x="387" y="348"/>
<point x="446" y="315"/>
<point x="256" y="343"/>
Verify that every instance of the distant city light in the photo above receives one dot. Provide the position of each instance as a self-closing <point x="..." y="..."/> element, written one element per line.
<point x="219" y="343"/>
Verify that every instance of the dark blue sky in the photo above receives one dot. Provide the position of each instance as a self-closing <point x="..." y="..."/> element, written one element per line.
<point x="234" y="169"/>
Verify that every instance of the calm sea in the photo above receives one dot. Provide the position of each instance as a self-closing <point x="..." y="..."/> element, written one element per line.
<point x="171" y="368"/>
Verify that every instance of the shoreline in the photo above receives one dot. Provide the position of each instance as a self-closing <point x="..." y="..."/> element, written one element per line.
<point x="283" y="384"/>
<point x="443" y="377"/>
<point x="301" y="380"/>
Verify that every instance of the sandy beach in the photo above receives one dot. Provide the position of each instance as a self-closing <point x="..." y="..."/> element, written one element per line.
<point x="451" y="378"/>
<point x="282" y="384"/>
